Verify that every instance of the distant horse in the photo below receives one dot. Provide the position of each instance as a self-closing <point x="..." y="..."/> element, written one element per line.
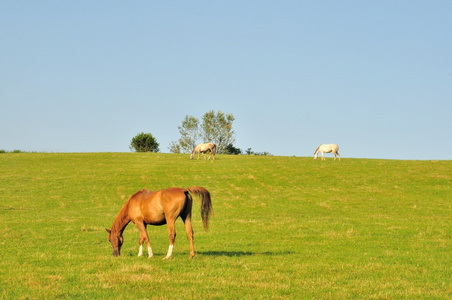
<point x="158" y="208"/>
<point x="327" y="149"/>
<point x="203" y="148"/>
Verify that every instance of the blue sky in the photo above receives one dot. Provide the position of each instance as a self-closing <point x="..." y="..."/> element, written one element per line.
<point x="374" y="77"/>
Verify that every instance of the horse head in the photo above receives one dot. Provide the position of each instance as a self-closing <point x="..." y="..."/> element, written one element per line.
<point x="116" y="240"/>
<point x="192" y="155"/>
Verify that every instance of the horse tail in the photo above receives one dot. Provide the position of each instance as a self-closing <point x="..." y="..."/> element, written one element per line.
<point x="206" y="203"/>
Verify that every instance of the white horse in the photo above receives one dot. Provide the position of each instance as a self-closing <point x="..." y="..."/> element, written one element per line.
<point x="203" y="148"/>
<point x="327" y="149"/>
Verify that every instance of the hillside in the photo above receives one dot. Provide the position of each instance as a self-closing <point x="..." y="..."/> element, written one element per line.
<point x="283" y="227"/>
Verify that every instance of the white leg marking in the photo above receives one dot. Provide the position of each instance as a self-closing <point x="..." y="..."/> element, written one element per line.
<point x="170" y="252"/>
<point x="140" y="252"/>
<point x="150" y="252"/>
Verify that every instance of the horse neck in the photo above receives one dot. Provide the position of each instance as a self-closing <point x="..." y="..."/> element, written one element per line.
<point x="122" y="220"/>
<point x="317" y="150"/>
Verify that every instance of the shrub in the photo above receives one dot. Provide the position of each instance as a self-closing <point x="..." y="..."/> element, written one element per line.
<point x="144" y="142"/>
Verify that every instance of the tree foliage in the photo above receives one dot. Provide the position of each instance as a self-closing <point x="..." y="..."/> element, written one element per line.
<point x="189" y="135"/>
<point x="230" y="149"/>
<point x="215" y="128"/>
<point x="144" y="142"/>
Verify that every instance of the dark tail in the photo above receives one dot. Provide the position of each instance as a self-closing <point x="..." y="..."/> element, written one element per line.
<point x="206" y="203"/>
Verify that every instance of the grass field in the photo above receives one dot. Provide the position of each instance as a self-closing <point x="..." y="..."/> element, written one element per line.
<point x="283" y="227"/>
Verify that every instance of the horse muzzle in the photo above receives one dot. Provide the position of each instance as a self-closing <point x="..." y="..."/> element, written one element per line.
<point x="115" y="253"/>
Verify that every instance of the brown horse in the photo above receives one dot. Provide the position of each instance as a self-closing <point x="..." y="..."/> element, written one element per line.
<point x="157" y="208"/>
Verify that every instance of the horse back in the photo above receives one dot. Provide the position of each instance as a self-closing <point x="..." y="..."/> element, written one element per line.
<point x="205" y="147"/>
<point x="328" y="147"/>
<point x="155" y="207"/>
<point x="334" y="147"/>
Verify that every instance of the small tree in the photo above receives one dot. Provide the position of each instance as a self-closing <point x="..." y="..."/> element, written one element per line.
<point x="217" y="128"/>
<point x="175" y="147"/>
<point x="189" y="135"/>
<point x="144" y="142"/>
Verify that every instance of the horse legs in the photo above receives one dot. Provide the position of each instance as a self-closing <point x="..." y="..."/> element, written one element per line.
<point x="143" y="237"/>
<point x="212" y="154"/>
<point x="189" y="229"/>
<point x="172" y="237"/>
<point x="336" y="153"/>
<point x="323" y="156"/>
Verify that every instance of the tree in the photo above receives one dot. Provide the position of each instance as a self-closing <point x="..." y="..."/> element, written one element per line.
<point x="230" y="149"/>
<point x="144" y="142"/>
<point x="215" y="128"/>
<point x="189" y="135"/>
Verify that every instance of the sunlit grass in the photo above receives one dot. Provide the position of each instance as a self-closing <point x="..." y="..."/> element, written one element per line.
<point x="283" y="227"/>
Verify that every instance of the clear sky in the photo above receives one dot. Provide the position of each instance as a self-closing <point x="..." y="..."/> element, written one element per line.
<point x="374" y="77"/>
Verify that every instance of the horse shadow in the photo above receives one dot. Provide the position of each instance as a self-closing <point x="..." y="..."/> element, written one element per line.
<point x="243" y="253"/>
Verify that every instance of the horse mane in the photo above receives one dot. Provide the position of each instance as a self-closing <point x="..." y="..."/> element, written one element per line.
<point x="195" y="148"/>
<point x="317" y="149"/>
<point x="143" y="191"/>
<point x="121" y="220"/>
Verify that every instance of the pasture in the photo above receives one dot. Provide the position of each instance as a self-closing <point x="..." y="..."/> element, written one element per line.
<point x="283" y="227"/>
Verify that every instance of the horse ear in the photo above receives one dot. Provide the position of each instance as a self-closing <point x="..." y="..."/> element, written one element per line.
<point x="109" y="231"/>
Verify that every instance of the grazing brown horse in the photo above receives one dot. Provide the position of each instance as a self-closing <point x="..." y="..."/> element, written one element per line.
<point x="157" y="208"/>
<point x="203" y="148"/>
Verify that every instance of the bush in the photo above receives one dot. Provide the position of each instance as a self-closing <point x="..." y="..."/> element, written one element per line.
<point x="250" y="152"/>
<point x="144" y="142"/>
<point x="230" y="149"/>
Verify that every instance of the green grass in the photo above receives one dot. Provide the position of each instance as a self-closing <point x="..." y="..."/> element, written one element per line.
<point x="283" y="227"/>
